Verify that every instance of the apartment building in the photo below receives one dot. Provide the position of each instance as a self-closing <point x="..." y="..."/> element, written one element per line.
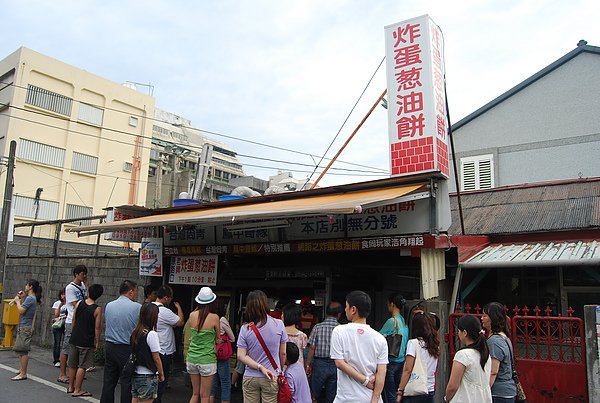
<point x="175" y="159"/>
<point x="83" y="142"/>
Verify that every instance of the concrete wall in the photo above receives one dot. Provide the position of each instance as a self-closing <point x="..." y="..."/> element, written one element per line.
<point x="546" y="131"/>
<point x="55" y="274"/>
<point x="592" y="339"/>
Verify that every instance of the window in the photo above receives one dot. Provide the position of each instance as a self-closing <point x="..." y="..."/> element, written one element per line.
<point x="42" y="153"/>
<point x="27" y="206"/>
<point x="90" y="114"/>
<point x="75" y="211"/>
<point x="152" y="171"/>
<point x="226" y="175"/>
<point x="218" y="173"/>
<point x="133" y="121"/>
<point x="192" y="165"/>
<point x="48" y="100"/>
<point x="477" y="172"/>
<point x="84" y="163"/>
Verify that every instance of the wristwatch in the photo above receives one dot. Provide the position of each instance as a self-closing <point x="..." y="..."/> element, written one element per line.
<point x="366" y="382"/>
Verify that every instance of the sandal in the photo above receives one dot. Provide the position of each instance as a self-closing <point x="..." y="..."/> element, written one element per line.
<point x="18" y="377"/>
<point x="84" y="393"/>
<point x="65" y="380"/>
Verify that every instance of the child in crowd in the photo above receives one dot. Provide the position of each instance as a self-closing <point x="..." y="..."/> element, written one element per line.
<point x="295" y="375"/>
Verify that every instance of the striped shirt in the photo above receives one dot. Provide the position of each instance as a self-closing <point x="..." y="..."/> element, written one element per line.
<point x="320" y="337"/>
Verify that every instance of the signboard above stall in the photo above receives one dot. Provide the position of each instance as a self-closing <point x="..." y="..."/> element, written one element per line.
<point x="417" y="123"/>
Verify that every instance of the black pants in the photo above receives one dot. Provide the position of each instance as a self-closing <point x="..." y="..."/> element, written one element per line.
<point x="166" y="360"/>
<point x="115" y="357"/>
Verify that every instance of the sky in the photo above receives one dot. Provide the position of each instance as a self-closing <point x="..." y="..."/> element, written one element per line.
<point x="288" y="73"/>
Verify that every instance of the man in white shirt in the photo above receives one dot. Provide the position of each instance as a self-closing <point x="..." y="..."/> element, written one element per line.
<point x="167" y="320"/>
<point x="75" y="291"/>
<point x="360" y="354"/>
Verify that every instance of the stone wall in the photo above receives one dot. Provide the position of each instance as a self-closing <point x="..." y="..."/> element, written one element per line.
<point x="55" y="273"/>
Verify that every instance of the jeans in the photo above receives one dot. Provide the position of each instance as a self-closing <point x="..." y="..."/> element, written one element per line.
<point x="392" y="380"/>
<point x="223" y="378"/>
<point x="428" y="398"/>
<point x="58" y="336"/>
<point x="323" y="375"/>
<point x="166" y="360"/>
<point x="496" y="399"/>
<point x="115" y="357"/>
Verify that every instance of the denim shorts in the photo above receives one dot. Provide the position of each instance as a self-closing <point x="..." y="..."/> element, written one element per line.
<point x="144" y="387"/>
<point x="201" y="369"/>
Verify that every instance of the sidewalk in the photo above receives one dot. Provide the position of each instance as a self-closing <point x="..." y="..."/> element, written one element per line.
<point x="40" y="365"/>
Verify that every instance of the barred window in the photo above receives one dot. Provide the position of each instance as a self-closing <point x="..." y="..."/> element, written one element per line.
<point x="27" y="206"/>
<point x="75" y="211"/>
<point x="90" y="114"/>
<point x="84" y="163"/>
<point x="48" y="100"/>
<point x="477" y="172"/>
<point x="42" y="153"/>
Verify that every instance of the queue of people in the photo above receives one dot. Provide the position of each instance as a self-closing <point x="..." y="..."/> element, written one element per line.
<point x="344" y="363"/>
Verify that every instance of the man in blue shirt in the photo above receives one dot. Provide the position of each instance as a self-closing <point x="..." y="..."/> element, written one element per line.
<point x="121" y="316"/>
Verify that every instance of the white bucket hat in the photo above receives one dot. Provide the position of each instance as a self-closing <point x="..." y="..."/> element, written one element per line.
<point x="205" y="296"/>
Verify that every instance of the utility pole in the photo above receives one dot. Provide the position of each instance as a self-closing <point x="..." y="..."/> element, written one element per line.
<point x="158" y="191"/>
<point x="6" y="208"/>
<point x="202" y="171"/>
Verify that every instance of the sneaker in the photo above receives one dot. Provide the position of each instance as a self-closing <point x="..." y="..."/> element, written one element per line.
<point x="57" y="364"/>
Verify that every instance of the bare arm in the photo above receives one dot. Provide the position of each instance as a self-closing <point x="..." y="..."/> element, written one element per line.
<point x="409" y="364"/>
<point x="181" y="321"/>
<point x="74" y="314"/>
<point x="97" y="326"/>
<point x="217" y="328"/>
<point x="456" y="375"/>
<point x="379" y="381"/>
<point x="282" y="355"/>
<point x="495" y="368"/>
<point x="227" y="328"/>
<point x="244" y="358"/>
<point x="158" y="363"/>
<point x="309" y="358"/>
<point x="349" y="370"/>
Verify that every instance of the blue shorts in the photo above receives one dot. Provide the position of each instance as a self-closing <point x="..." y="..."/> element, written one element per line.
<point x="144" y="387"/>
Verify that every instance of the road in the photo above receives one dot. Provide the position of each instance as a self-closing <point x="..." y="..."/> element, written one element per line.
<point x="41" y="384"/>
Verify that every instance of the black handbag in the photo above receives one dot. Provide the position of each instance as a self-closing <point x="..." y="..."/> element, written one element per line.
<point x="394" y="341"/>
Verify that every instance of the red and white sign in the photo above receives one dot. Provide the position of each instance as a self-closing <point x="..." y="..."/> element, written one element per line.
<point x="417" y="122"/>
<point x="194" y="270"/>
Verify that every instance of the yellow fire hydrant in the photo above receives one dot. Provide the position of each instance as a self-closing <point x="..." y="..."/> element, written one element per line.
<point x="10" y="319"/>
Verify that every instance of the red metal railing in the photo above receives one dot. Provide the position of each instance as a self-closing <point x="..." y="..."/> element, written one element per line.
<point x="549" y="351"/>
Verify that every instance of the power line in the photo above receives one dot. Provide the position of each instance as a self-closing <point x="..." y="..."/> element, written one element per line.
<point x="344" y="122"/>
<point x="198" y="149"/>
<point x="190" y="128"/>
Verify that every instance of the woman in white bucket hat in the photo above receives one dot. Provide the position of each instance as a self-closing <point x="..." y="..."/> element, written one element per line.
<point x="201" y="359"/>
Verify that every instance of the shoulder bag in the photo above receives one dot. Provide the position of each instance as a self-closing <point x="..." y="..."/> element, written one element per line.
<point x="417" y="383"/>
<point x="284" y="394"/>
<point x="394" y="341"/>
<point x="521" y="397"/>
<point x="224" y="349"/>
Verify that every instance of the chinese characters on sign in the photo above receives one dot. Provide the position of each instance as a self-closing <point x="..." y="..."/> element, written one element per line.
<point x="127" y="235"/>
<point x="194" y="270"/>
<point x="417" y="106"/>
<point x="151" y="257"/>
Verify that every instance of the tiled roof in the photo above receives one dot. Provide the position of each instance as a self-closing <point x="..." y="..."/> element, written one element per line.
<point x="541" y="207"/>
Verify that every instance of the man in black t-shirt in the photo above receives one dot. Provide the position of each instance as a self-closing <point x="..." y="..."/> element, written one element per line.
<point x="87" y="326"/>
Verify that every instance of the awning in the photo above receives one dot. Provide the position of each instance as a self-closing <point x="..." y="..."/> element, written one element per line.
<point x="338" y="203"/>
<point x="536" y="254"/>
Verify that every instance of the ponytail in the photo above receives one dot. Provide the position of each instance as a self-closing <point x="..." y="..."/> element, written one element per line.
<point x="480" y="344"/>
<point x="37" y="289"/>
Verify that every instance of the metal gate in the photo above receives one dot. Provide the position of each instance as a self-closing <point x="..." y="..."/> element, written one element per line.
<point x="549" y="352"/>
